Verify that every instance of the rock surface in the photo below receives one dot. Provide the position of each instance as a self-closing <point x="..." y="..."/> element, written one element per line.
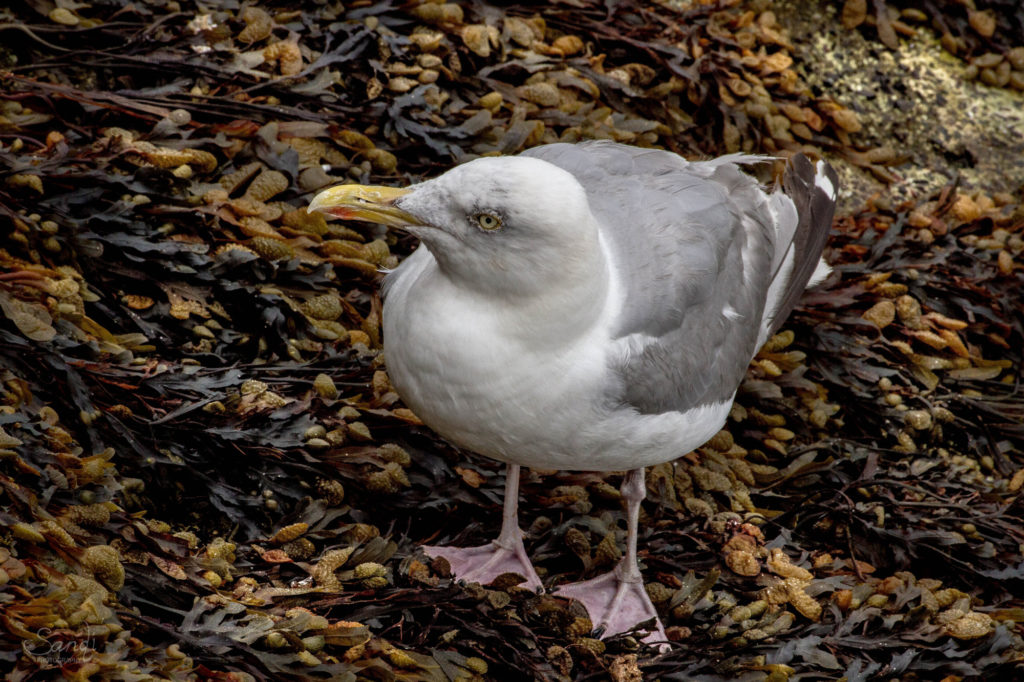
<point x="916" y="100"/>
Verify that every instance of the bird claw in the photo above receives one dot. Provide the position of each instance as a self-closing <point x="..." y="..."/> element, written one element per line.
<point x="485" y="563"/>
<point x="615" y="605"/>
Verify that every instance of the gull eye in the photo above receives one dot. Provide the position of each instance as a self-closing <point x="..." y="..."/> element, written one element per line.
<point x="487" y="221"/>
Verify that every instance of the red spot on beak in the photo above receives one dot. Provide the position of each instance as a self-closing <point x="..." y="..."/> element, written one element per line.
<point x="340" y="212"/>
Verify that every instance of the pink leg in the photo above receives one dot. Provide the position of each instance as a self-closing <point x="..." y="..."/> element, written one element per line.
<point x="617" y="600"/>
<point x="505" y="555"/>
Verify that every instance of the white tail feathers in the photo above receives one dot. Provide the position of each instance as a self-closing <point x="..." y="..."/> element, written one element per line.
<point x="821" y="272"/>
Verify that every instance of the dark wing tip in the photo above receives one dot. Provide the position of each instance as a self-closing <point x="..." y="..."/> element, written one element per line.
<point x="813" y="189"/>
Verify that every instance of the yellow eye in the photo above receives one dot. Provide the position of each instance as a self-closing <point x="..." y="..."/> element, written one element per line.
<point x="487" y="221"/>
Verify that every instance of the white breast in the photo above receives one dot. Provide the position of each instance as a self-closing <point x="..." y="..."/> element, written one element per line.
<point x="476" y="378"/>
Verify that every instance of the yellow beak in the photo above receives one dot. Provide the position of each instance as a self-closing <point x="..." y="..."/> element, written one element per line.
<point x="364" y="202"/>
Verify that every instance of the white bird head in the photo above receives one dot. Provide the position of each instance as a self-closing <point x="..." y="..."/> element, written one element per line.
<point x="508" y="226"/>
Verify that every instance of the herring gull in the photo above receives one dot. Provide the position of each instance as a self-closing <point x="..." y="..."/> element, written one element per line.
<point x="588" y="306"/>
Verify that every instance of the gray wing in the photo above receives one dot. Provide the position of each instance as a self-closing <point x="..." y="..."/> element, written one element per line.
<point x="694" y="245"/>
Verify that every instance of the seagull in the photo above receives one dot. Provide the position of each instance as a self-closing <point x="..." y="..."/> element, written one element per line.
<point x="592" y="307"/>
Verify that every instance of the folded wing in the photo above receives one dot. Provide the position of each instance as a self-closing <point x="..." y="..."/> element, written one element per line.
<point x="696" y="247"/>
